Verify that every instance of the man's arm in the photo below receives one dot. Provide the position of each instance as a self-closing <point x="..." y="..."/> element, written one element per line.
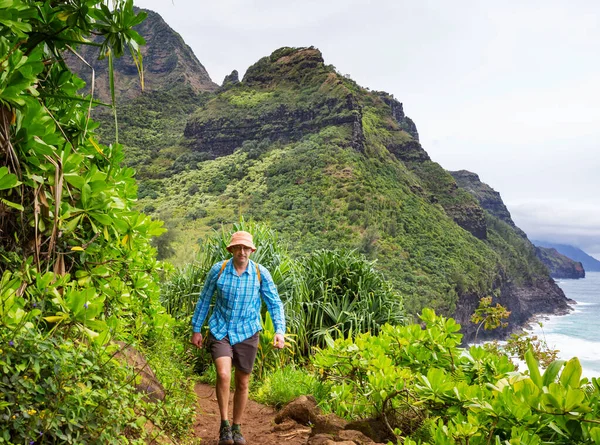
<point x="270" y="296"/>
<point x="203" y="304"/>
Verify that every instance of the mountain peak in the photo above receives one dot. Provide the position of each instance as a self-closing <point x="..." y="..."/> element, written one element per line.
<point x="168" y="63"/>
<point x="291" y="64"/>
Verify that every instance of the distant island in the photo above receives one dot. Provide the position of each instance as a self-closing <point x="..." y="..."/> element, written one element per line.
<point x="590" y="264"/>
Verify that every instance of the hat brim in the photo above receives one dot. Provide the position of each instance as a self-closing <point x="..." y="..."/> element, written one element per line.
<point x="245" y="244"/>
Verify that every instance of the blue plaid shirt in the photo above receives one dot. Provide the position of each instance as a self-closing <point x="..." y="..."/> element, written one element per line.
<point x="236" y="312"/>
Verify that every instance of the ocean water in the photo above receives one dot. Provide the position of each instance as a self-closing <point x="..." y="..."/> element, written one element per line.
<point x="578" y="333"/>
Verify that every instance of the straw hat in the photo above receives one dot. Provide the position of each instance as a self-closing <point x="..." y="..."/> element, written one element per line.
<point x="241" y="238"/>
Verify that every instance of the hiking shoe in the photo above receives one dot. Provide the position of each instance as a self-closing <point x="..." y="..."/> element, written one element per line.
<point x="225" y="435"/>
<point x="238" y="439"/>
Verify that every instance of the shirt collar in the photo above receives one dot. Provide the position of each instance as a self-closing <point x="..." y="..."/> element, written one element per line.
<point x="250" y="269"/>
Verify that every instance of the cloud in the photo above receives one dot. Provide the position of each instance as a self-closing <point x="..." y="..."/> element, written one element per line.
<point x="568" y="222"/>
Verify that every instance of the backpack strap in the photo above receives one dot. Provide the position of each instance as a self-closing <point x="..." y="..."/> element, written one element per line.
<point x="258" y="273"/>
<point x="222" y="268"/>
<point x="225" y="264"/>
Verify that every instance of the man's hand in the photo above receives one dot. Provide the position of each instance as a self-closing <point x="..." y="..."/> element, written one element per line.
<point x="197" y="340"/>
<point x="279" y="341"/>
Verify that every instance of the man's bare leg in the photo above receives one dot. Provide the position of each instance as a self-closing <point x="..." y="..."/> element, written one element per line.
<point x="223" y="365"/>
<point x="240" y="397"/>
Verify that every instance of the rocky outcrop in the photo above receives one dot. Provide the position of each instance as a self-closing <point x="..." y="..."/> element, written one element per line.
<point x="488" y="198"/>
<point x="330" y="429"/>
<point x="559" y="265"/>
<point x="524" y="301"/>
<point x="469" y="217"/>
<point x="537" y="294"/>
<point x="397" y="111"/>
<point x="146" y="381"/>
<point x="256" y="108"/>
<point x="168" y="63"/>
<point x="231" y="80"/>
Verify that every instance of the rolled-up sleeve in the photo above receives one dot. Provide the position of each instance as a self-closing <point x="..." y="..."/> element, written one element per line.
<point x="203" y="304"/>
<point x="270" y="296"/>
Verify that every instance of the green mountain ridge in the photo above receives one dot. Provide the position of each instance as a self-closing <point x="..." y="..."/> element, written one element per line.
<point x="329" y="164"/>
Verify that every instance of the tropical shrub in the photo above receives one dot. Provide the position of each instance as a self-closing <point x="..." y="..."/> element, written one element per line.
<point x="77" y="268"/>
<point x="56" y="390"/>
<point x="340" y="294"/>
<point x="423" y="385"/>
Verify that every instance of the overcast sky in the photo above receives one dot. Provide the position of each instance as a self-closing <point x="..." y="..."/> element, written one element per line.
<point x="509" y="90"/>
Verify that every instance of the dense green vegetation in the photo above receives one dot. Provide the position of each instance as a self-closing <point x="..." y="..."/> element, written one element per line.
<point x="151" y="127"/>
<point x="414" y="378"/>
<point x="282" y="147"/>
<point x="429" y="391"/>
<point x="78" y="272"/>
<point x="80" y="276"/>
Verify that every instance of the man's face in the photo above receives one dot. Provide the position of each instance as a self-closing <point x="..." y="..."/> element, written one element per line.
<point x="241" y="254"/>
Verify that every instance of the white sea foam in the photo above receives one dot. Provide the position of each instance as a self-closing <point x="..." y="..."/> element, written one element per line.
<point x="575" y="334"/>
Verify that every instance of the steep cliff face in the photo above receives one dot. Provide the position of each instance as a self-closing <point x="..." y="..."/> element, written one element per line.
<point x="168" y="63"/>
<point x="487" y="197"/>
<point x="524" y="301"/>
<point x="559" y="265"/>
<point x="283" y="97"/>
<point x="534" y="293"/>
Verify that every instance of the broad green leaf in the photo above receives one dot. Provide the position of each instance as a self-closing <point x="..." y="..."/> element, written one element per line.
<point x="534" y="370"/>
<point x="573" y="399"/>
<point x="56" y="318"/>
<point x="552" y="371"/>
<point x="14" y="205"/>
<point x="7" y="180"/>
<point x="595" y="434"/>
<point x="571" y="374"/>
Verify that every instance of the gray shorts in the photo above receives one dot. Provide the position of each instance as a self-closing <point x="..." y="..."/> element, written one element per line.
<point x="242" y="354"/>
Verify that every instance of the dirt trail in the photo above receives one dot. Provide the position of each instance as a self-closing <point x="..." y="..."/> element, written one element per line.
<point x="258" y="426"/>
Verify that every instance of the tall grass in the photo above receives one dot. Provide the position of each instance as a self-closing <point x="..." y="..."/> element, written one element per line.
<point x="339" y="294"/>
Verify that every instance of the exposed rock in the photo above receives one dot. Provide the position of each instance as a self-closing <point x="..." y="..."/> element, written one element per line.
<point x="397" y="110"/>
<point x="372" y="428"/>
<point x="523" y="301"/>
<point x="488" y="198"/>
<point x="327" y="428"/>
<point x="229" y="120"/>
<point x="408" y="150"/>
<point x="560" y="266"/>
<point x="321" y="439"/>
<point x="354" y="436"/>
<point x="231" y="79"/>
<point x="168" y="63"/>
<point x="147" y="384"/>
<point x="329" y="424"/>
<point x="290" y="65"/>
<point x="303" y="410"/>
<point x="471" y="218"/>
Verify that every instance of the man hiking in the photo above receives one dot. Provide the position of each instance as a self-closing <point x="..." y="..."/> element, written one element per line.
<point x="234" y="326"/>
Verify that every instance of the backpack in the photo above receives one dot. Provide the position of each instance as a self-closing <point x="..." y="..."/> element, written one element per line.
<point x="225" y="264"/>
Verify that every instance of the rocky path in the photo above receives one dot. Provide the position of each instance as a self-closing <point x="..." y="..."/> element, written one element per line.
<point x="258" y="426"/>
